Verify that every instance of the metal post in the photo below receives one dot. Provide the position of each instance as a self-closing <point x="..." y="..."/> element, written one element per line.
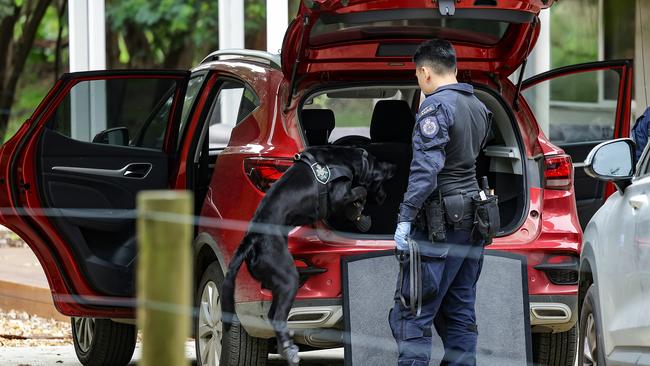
<point x="542" y="63"/>
<point x="164" y="275"/>
<point x="277" y="21"/>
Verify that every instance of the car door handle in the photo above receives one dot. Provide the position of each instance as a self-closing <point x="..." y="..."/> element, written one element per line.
<point x="137" y="170"/>
<point x="638" y="201"/>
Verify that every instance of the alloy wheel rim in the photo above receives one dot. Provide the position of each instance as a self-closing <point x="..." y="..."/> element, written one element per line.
<point x="84" y="332"/>
<point x="590" y="349"/>
<point x="210" y="327"/>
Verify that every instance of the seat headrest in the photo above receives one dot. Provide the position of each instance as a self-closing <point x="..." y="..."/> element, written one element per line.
<point x="392" y="121"/>
<point x="318" y="124"/>
<point x="317" y="119"/>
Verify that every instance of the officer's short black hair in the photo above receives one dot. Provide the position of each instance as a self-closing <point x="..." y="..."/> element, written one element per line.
<point x="438" y="54"/>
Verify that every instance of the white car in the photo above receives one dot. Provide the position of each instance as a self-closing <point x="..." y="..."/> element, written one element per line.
<point x="614" y="284"/>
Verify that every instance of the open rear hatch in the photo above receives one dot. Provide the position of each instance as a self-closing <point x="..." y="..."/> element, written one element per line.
<point x="343" y="36"/>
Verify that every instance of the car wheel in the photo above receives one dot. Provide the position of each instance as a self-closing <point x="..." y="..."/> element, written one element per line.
<point x="590" y="351"/>
<point x="555" y="349"/>
<point x="213" y="345"/>
<point x="103" y="341"/>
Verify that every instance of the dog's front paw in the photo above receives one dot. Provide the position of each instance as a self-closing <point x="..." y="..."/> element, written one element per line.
<point x="290" y="353"/>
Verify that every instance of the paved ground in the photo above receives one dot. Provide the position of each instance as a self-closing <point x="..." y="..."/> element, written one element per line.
<point x="64" y="355"/>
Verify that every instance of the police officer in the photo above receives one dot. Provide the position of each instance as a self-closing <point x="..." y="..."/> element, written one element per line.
<point x="452" y="126"/>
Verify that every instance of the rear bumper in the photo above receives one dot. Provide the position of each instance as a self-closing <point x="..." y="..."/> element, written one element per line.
<point x="320" y="323"/>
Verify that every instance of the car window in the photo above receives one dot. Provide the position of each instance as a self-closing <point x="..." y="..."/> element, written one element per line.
<point x="234" y="102"/>
<point x="352" y="110"/>
<point x="643" y="166"/>
<point x="193" y="88"/>
<point x="136" y="109"/>
<point x="576" y="108"/>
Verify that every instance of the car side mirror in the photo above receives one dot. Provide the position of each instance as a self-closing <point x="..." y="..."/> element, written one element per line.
<point x="113" y="136"/>
<point x="612" y="161"/>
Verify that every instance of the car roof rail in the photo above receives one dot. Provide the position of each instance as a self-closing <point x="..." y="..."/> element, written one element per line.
<point x="273" y="59"/>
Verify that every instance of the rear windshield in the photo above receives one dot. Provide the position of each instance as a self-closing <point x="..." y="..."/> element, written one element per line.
<point x="473" y="26"/>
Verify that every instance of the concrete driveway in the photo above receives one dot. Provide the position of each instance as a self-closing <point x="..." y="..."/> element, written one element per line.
<point x="64" y="355"/>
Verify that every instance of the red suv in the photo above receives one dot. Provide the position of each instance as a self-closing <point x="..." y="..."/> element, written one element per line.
<point x="229" y="128"/>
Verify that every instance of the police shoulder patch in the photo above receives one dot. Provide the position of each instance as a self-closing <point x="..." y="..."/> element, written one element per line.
<point x="429" y="127"/>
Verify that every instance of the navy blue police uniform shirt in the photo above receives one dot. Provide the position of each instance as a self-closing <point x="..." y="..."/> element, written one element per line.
<point x="430" y="136"/>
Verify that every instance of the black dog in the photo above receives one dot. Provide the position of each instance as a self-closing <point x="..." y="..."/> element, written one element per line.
<point x="324" y="181"/>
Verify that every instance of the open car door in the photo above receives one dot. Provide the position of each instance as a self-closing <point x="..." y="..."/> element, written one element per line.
<point x="72" y="172"/>
<point x="578" y="107"/>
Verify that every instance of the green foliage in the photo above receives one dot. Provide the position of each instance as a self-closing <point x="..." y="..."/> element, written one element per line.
<point x="573" y="44"/>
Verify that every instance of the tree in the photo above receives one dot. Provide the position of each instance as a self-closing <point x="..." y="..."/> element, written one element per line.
<point x="19" y="22"/>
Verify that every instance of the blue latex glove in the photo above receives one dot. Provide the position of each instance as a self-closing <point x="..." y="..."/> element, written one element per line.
<point x="402" y="233"/>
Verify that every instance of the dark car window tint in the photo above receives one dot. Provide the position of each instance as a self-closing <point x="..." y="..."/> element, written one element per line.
<point x="193" y="88"/>
<point x="575" y="108"/>
<point x="140" y="106"/>
<point x="234" y="102"/>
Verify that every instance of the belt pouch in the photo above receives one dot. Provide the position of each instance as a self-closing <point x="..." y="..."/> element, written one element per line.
<point x="454" y="210"/>
<point x="487" y="221"/>
<point x="435" y="221"/>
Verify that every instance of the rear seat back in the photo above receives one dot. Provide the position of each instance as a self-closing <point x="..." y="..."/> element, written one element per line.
<point x="391" y="130"/>
<point x="317" y="125"/>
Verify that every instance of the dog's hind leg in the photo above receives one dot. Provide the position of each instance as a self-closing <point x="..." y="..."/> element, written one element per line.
<point x="284" y="292"/>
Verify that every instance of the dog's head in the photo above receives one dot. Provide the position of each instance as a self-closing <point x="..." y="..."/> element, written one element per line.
<point x="375" y="174"/>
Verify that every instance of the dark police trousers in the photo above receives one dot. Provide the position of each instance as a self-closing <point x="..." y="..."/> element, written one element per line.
<point x="449" y="275"/>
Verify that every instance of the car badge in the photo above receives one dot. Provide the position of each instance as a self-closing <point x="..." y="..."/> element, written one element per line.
<point x="321" y="172"/>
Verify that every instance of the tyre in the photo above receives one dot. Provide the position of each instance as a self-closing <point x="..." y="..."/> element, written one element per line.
<point x="555" y="349"/>
<point x="103" y="341"/>
<point x="590" y="344"/>
<point x="232" y="348"/>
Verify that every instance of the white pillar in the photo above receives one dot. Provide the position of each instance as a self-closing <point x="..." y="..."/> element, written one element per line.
<point x="87" y="28"/>
<point x="231" y="24"/>
<point x="277" y="21"/>
<point x="231" y="35"/>
<point x="87" y="49"/>
<point x="642" y="58"/>
<point x="542" y="63"/>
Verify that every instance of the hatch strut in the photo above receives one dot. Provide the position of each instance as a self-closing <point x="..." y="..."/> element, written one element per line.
<point x="294" y="70"/>
<point x="522" y="68"/>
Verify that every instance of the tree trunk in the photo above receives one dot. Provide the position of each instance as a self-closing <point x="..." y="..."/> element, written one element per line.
<point x="6" y="35"/>
<point x="140" y="55"/>
<point x="13" y="61"/>
<point x="59" y="39"/>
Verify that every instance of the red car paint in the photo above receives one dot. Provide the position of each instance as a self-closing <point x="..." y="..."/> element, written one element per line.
<point x="550" y="227"/>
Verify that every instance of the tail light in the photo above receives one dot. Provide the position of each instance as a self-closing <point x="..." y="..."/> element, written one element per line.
<point x="263" y="172"/>
<point x="558" y="172"/>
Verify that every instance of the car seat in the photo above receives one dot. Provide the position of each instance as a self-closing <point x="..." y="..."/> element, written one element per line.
<point x="391" y="130"/>
<point x="317" y="125"/>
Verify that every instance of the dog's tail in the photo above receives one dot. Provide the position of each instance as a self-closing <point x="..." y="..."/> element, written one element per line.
<point x="228" y="286"/>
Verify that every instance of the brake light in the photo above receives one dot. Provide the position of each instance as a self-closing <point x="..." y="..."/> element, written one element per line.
<point x="558" y="172"/>
<point x="263" y="172"/>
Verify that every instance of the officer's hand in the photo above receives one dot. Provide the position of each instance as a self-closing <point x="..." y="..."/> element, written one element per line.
<point x="401" y="235"/>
